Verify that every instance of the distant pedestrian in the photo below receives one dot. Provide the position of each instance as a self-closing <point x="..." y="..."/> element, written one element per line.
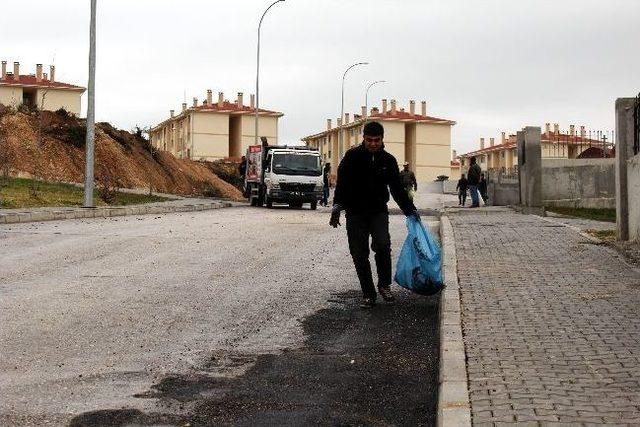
<point x="408" y="180"/>
<point x="326" y="184"/>
<point x="242" y="167"/>
<point x="462" y="190"/>
<point x="482" y="188"/>
<point x="365" y="175"/>
<point x="473" y="179"/>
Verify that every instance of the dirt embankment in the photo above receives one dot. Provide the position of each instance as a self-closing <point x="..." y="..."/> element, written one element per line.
<point x="52" y="147"/>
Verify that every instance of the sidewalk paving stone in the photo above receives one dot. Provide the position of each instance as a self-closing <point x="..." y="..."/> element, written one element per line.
<point x="551" y="324"/>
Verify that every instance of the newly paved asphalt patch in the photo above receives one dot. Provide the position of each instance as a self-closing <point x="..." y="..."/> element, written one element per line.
<point x="357" y="367"/>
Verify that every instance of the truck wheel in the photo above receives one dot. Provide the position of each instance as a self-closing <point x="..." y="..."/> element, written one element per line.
<point x="254" y="201"/>
<point x="314" y="205"/>
<point x="296" y="205"/>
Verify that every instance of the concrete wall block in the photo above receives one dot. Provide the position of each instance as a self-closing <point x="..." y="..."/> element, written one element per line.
<point x="11" y="218"/>
<point x="633" y="182"/>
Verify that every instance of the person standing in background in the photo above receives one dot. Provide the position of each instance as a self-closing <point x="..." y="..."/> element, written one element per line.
<point x="326" y="184"/>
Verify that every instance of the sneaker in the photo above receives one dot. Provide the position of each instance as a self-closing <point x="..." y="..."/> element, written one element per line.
<point x="367" y="303"/>
<point x="386" y="294"/>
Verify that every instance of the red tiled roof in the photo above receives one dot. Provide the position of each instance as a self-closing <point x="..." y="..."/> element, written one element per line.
<point x="30" y="80"/>
<point x="233" y="107"/>
<point x="404" y="115"/>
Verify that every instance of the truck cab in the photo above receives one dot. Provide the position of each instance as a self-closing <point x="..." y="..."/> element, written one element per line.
<point x="291" y="175"/>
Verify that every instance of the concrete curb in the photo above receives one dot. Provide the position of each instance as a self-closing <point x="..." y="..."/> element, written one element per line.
<point x="105" y="212"/>
<point x="454" y="408"/>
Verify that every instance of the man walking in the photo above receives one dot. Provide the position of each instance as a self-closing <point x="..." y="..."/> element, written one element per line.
<point x="326" y="183"/>
<point x="365" y="176"/>
<point x="473" y="179"/>
<point x="462" y="190"/>
<point x="482" y="189"/>
<point x="408" y="180"/>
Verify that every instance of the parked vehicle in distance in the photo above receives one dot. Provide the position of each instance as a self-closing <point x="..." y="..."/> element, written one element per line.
<point x="283" y="174"/>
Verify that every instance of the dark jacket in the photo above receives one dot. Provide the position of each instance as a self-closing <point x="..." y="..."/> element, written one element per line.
<point x="408" y="179"/>
<point x="482" y="186"/>
<point x="325" y="176"/>
<point x="364" y="181"/>
<point x="462" y="184"/>
<point x="473" y="176"/>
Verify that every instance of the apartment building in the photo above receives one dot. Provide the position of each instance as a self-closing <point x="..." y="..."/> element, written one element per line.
<point x="39" y="90"/>
<point x="214" y="130"/>
<point x="414" y="137"/>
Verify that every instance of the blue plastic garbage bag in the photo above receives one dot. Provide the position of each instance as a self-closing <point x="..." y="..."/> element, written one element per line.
<point x="418" y="267"/>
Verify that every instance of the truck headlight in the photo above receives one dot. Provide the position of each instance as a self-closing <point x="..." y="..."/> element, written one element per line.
<point x="273" y="185"/>
<point x="318" y="187"/>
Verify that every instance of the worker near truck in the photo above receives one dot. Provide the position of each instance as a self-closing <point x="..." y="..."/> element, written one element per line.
<point x="365" y="175"/>
<point x="408" y="180"/>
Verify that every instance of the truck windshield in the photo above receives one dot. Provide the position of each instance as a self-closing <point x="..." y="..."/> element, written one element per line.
<point x="296" y="164"/>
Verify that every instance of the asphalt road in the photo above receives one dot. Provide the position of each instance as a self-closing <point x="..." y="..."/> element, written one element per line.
<point x="239" y="316"/>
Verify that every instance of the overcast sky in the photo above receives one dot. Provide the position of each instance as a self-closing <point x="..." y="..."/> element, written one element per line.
<point x="490" y="65"/>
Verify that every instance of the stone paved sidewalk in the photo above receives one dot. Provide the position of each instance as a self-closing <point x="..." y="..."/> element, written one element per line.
<point x="551" y="324"/>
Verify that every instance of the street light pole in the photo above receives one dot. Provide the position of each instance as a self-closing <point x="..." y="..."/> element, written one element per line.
<point x="258" y="70"/>
<point x="340" y="143"/>
<point x="366" y="98"/>
<point x="91" y="113"/>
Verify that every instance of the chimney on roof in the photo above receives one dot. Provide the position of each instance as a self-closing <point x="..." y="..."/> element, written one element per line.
<point x="45" y="76"/>
<point x="346" y="118"/>
<point x="4" y="69"/>
<point x="556" y="128"/>
<point x="240" y="101"/>
<point x="252" y="101"/>
<point x="338" y="122"/>
<point x="195" y="101"/>
<point x="363" y="112"/>
<point x="16" y="71"/>
<point x="481" y="143"/>
<point x="547" y="128"/>
<point x="220" y="99"/>
<point x="209" y="97"/>
<point x="492" y="142"/>
<point x="374" y="110"/>
<point x="583" y="132"/>
<point x="172" y="113"/>
<point x="424" y="108"/>
<point x="393" y="106"/>
<point x="454" y="154"/>
<point x="504" y="137"/>
<point x="52" y="73"/>
<point x="184" y="106"/>
<point x="412" y="107"/>
<point x="38" y="72"/>
<point x="384" y="106"/>
<point x="328" y="124"/>
<point x="572" y="130"/>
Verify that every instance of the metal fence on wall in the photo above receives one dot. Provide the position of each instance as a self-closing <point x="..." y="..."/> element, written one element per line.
<point x="582" y="145"/>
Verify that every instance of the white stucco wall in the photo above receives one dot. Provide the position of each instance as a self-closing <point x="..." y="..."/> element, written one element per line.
<point x="10" y="96"/>
<point x="55" y="99"/>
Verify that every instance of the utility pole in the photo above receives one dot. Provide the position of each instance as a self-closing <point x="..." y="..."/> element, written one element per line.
<point x="91" y="113"/>
<point x="255" y="142"/>
<point x="344" y="76"/>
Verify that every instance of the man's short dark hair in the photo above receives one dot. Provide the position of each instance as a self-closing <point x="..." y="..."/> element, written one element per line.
<point x="473" y="159"/>
<point x="373" y="129"/>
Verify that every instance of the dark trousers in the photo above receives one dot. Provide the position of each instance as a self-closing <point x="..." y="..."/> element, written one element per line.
<point x="462" y="196"/>
<point x="359" y="228"/>
<point x="325" y="195"/>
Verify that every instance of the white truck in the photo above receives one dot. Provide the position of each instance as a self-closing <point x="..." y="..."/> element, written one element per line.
<point x="283" y="174"/>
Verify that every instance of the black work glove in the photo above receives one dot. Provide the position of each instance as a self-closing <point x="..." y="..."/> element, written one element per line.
<point x="335" y="216"/>
<point x="413" y="213"/>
